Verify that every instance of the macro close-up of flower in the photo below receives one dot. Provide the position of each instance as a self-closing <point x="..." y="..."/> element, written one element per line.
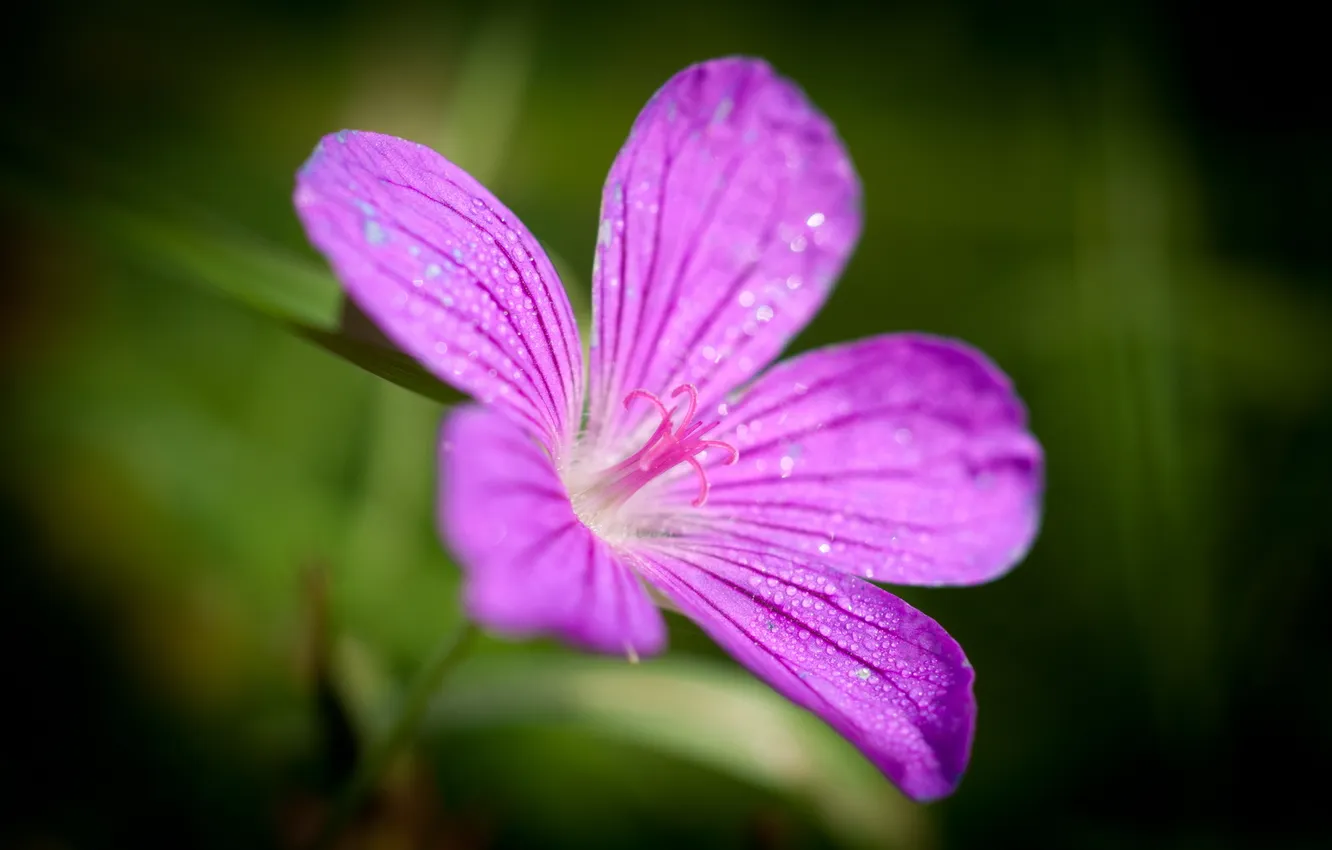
<point x="457" y="426"/>
<point x="680" y="467"/>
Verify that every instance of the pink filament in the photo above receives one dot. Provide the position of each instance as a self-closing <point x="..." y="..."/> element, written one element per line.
<point x="664" y="450"/>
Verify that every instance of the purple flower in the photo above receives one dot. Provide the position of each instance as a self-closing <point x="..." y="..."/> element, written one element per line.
<point x="756" y="509"/>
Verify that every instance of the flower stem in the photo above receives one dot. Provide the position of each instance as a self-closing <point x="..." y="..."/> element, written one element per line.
<point x="371" y="766"/>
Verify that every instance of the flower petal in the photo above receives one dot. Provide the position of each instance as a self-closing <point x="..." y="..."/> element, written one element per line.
<point x="725" y="220"/>
<point x="901" y="458"/>
<point x="531" y="566"/>
<point x="878" y="671"/>
<point x="449" y="274"/>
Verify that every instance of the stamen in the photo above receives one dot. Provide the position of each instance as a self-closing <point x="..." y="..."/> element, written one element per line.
<point x="718" y="444"/>
<point x="664" y="450"/>
<point x="661" y="408"/>
<point x="693" y="401"/>
<point x="662" y="431"/>
<point x="703" y="486"/>
<point x="694" y="430"/>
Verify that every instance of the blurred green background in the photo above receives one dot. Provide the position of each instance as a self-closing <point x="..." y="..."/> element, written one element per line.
<point x="221" y="569"/>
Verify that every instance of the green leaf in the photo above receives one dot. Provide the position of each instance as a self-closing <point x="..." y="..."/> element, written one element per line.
<point x="387" y="363"/>
<point x="696" y="710"/>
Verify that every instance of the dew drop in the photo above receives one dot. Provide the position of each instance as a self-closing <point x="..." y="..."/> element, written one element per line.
<point x="723" y="110"/>
<point x="374" y="234"/>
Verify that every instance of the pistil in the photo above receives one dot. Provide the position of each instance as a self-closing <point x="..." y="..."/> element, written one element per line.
<point x="666" y="448"/>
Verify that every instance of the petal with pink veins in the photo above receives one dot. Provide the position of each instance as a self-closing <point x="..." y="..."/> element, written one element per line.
<point x="725" y="220"/>
<point x="881" y="673"/>
<point x="902" y="458"/>
<point x="449" y="274"/>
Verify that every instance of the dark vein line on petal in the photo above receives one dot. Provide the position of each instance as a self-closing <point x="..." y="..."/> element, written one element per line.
<point x="534" y="406"/>
<point x="563" y="368"/>
<point x="801" y="625"/>
<point x="694" y="242"/>
<point x="835" y="579"/>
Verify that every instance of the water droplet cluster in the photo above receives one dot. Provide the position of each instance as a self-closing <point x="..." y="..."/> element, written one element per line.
<point x="901" y="459"/>
<point x="853" y="652"/>
<point x="451" y="274"/>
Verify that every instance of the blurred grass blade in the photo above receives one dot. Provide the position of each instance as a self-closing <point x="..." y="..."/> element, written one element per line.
<point x="263" y="278"/>
<point x="487" y="98"/>
<point x="699" y="711"/>
<point x="244" y="268"/>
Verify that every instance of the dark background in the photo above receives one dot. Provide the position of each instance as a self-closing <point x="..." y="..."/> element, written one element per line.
<point x="220" y="566"/>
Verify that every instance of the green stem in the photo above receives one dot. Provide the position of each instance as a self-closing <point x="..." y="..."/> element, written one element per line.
<point x="371" y="766"/>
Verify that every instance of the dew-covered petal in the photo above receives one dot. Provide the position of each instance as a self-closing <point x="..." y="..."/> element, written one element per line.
<point x="881" y="673"/>
<point x="725" y="220"/>
<point x="530" y="566"/>
<point x="902" y="458"/>
<point x="449" y="273"/>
